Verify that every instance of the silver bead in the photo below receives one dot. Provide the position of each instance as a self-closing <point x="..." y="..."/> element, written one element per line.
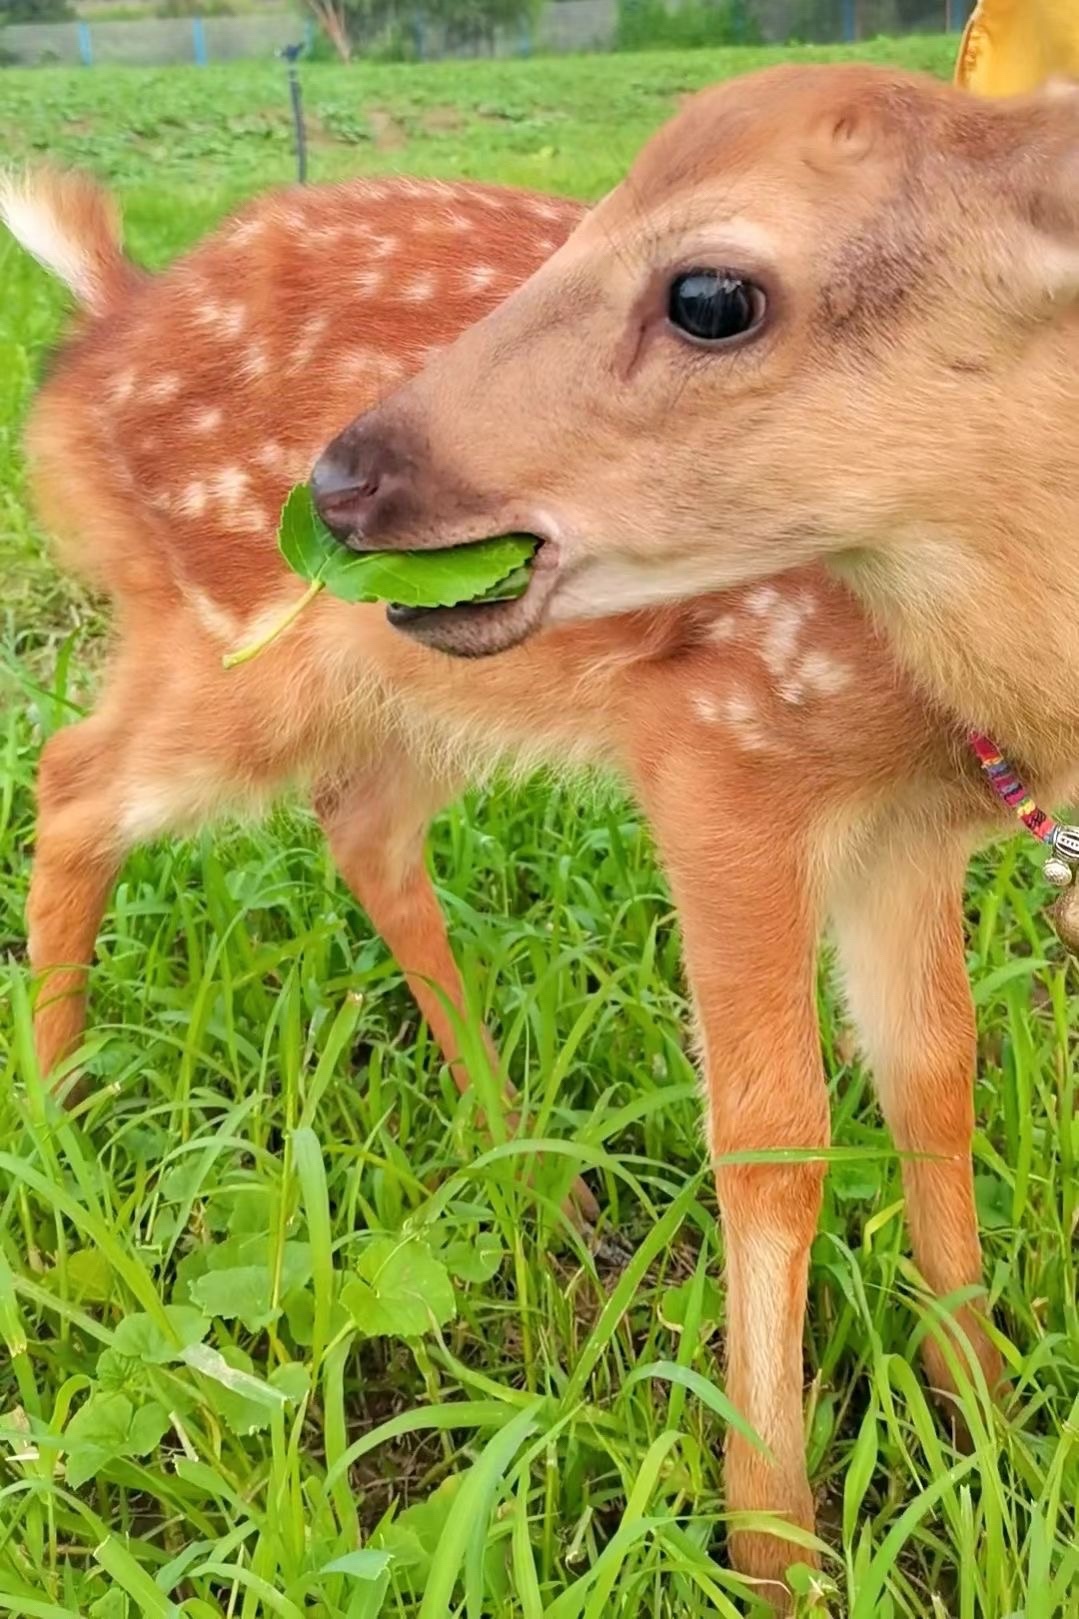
<point x="1057" y="872"/>
<point x="1066" y="842"/>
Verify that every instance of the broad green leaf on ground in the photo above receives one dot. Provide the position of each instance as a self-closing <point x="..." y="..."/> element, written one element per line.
<point x="400" y="1290"/>
<point x="250" y="1290"/>
<point x="367" y="1564"/>
<point x="475" y="1260"/>
<point x="243" y="1401"/>
<point x="108" y="1428"/>
<point x="86" y="1277"/>
<point x="138" y="1337"/>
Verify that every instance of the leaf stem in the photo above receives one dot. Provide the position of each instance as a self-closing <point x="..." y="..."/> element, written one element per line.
<point x="244" y="654"/>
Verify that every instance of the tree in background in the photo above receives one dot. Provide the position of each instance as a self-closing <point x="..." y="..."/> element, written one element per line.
<point x="35" y="11"/>
<point x="332" y="17"/>
<point x="394" y="28"/>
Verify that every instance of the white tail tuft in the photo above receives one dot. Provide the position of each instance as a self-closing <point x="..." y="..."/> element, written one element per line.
<point x="71" y="227"/>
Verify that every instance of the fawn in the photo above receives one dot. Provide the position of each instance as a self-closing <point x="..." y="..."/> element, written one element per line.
<point x="790" y="764"/>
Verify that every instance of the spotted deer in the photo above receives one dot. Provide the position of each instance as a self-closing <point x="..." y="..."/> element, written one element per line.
<point x="815" y="352"/>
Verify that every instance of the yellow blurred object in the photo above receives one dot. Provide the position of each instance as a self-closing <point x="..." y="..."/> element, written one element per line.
<point x="1010" y="47"/>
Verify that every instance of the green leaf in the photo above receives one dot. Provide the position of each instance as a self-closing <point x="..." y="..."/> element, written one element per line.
<point x="244" y="1291"/>
<point x="302" y="539"/>
<point x="243" y="1400"/>
<point x="88" y="1276"/>
<point x="994" y="1202"/>
<point x="676" y="1301"/>
<point x="442" y="578"/>
<point x="476" y="1260"/>
<point x="367" y="1564"/>
<point x="116" y="1373"/>
<point x="240" y="1294"/>
<point x="107" y="1428"/>
<point x="113" y="1605"/>
<point x="401" y="1290"/>
<point x="140" y="1338"/>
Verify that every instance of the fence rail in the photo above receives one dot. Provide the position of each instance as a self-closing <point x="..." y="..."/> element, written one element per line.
<point x="559" y="26"/>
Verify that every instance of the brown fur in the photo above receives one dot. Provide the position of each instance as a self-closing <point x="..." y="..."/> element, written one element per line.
<point x="777" y="790"/>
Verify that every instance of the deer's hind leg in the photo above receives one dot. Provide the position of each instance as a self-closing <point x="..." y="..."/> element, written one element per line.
<point x="79" y="847"/>
<point x="376" y="824"/>
<point x="157" y="756"/>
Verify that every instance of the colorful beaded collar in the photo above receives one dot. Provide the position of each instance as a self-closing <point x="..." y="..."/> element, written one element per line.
<point x="1062" y="841"/>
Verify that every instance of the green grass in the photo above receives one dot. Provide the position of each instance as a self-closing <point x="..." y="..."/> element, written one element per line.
<point x="190" y="1417"/>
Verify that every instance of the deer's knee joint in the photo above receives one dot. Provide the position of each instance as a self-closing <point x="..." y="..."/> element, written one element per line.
<point x="69" y="763"/>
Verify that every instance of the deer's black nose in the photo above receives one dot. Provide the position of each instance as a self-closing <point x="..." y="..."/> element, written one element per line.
<point x="354" y="482"/>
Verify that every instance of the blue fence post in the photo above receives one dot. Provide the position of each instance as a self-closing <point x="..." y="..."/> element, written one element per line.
<point x="850" y="20"/>
<point x="198" y="40"/>
<point x="417" y="34"/>
<point x="525" y="45"/>
<point x="86" y="45"/>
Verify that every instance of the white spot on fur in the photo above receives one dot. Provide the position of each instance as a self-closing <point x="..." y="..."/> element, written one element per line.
<point x="368" y="282"/>
<point x="367" y="361"/>
<point x="759" y="602"/>
<point x="122" y="386"/>
<point x="420" y="289"/>
<point x="255" y="363"/>
<point x="233" y="319"/>
<point x="192" y="499"/>
<point x="163" y="388"/>
<point x="310" y="334"/>
<point x="459" y="222"/>
<point x="823" y="674"/>
<point x="743" y="717"/>
<point x="383" y="246"/>
<point x="724" y="628"/>
<point x="229" y="319"/>
<point x="273" y="456"/>
<point x="217" y="621"/>
<point x="229" y="485"/>
<point x="545" y="210"/>
<point x="706" y="708"/>
<point x="480" y="277"/>
<point x="247" y="230"/>
<point x="206" y="420"/>
<point x="780" y="640"/>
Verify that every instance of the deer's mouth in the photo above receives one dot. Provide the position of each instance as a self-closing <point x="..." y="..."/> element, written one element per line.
<point x="482" y="628"/>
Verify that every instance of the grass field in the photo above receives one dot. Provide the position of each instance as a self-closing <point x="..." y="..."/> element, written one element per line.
<point x="273" y="1138"/>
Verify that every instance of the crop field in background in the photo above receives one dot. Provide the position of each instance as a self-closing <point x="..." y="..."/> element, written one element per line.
<point x="223" y="1391"/>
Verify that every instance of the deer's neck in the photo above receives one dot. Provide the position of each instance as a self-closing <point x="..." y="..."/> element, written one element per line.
<point x="989" y="626"/>
<point x="974" y="572"/>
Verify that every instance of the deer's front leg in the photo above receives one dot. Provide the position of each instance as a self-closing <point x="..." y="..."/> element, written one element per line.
<point x="750" y="922"/>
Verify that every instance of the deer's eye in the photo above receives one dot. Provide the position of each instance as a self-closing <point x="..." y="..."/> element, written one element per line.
<point x="714" y="305"/>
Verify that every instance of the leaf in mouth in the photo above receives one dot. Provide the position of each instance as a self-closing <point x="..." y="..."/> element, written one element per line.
<point x="484" y="571"/>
